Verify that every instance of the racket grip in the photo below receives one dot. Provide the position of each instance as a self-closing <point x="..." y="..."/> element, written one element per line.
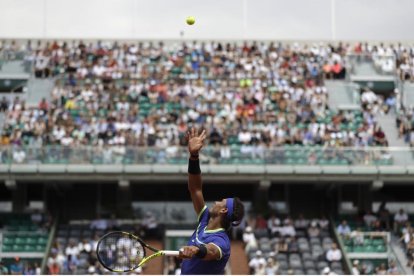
<point x="171" y="253"/>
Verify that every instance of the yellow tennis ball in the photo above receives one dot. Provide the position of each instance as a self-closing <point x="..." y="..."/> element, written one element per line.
<point x="190" y="20"/>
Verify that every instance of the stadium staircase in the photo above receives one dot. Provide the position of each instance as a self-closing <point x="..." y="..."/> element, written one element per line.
<point x="343" y="95"/>
<point x="388" y="125"/>
<point x="408" y="94"/>
<point x="400" y="255"/>
<point x="38" y="89"/>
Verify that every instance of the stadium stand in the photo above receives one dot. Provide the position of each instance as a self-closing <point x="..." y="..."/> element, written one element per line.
<point x="301" y="246"/>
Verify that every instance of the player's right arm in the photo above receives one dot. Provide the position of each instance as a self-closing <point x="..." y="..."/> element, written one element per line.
<point x="195" y="143"/>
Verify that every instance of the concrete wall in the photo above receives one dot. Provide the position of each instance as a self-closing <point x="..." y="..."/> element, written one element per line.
<point x="215" y="19"/>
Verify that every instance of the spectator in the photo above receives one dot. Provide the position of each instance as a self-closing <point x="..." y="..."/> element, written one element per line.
<point x="355" y="268"/>
<point x="282" y="246"/>
<point x="400" y="219"/>
<point x="369" y="219"/>
<point x="301" y="222"/>
<point x="272" y="267"/>
<point x="287" y="230"/>
<point x="4" y="104"/>
<point x="334" y="254"/>
<point x="381" y="270"/>
<point x="16" y="268"/>
<point x="392" y="269"/>
<point x="150" y="225"/>
<point x="249" y="239"/>
<point x="256" y="262"/>
<point x="71" y="250"/>
<point x="19" y="155"/>
<point x="344" y="229"/>
<point x="313" y="230"/>
<point x="273" y="224"/>
<point x="3" y="268"/>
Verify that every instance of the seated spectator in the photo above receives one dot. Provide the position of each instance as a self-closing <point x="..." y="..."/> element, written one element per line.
<point x="334" y="254"/>
<point x="249" y="239"/>
<point x="16" y="268"/>
<point x="323" y="223"/>
<point x="287" y="230"/>
<point x="99" y="224"/>
<point x="281" y="246"/>
<point x="392" y="269"/>
<point x="355" y="268"/>
<point x="313" y="230"/>
<point x="344" y="229"/>
<point x="301" y="222"/>
<point x="292" y="244"/>
<point x="85" y="246"/>
<point x="72" y="249"/>
<point x="357" y="236"/>
<point x="369" y="219"/>
<point x="400" y="219"/>
<point x="256" y="261"/>
<point x="273" y="224"/>
<point x="381" y="270"/>
<point x="272" y="267"/>
<point x="150" y="225"/>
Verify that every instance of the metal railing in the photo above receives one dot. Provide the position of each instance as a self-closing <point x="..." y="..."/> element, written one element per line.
<point x="234" y="154"/>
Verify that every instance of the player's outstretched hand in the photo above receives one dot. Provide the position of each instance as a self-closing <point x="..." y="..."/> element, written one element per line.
<point x="187" y="252"/>
<point x="195" y="140"/>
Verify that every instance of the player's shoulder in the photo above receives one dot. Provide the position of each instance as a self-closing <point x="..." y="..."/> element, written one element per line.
<point x="204" y="215"/>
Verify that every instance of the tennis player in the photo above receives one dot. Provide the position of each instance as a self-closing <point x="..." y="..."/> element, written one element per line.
<point x="208" y="249"/>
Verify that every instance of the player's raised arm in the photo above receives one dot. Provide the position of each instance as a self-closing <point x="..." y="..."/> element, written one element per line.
<point x="195" y="143"/>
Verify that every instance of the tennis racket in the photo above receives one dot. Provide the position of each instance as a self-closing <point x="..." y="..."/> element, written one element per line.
<point x="122" y="252"/>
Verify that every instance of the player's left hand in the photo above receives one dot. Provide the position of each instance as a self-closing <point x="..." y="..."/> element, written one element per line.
<point x="187" y="252"/>
<point x="195" y="140"/>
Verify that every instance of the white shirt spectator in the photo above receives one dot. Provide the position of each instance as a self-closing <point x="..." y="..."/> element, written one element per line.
<point x="19" y="156"/>
<point x="249" y="239"/>
<point x="288" y="230"/>
<point x="257" y="260"/>
<point x="369" y="219"/>
<point x="334" y="254"/>
<point x="343" y="229"/>
<point x="401" y="217"/>
<point x="72" y="250"/>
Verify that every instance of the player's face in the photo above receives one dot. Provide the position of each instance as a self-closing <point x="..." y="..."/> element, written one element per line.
<point x="219" y="207"/>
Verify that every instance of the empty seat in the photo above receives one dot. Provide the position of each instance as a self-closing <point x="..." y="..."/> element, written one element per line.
<point x="281" y="257"/>
<point x="307" y="256"/>
<point x="299" y="272"/>
<point x="283" y="265"/>
<point x="295" y="263"/>
<point x="311" y="272"/>
<point x="309" y="264"/>
<point x="336" y="265"/>
<point x="315" y="240"/>
<point x="322" y="265"/>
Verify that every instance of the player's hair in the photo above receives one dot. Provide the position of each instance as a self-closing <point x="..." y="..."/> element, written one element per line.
<point x="238" y="214"/>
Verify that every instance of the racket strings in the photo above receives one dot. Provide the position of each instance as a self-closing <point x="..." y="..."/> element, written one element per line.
<point x="120" y="252"/>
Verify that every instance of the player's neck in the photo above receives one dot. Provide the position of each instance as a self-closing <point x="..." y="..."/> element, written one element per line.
<point x="214" y="223"/>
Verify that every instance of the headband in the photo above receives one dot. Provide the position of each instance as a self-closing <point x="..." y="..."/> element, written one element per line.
<point x="230" y="209"/>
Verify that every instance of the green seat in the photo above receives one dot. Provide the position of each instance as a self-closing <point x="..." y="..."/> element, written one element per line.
<point x="381" y="248"/>
<point x="18" y="248"/>
<point x="41" y="240"/>
<point x="376" y="242"/>
<point x="40" y="248"/>
<point x="7" y="248"/>
<point x="369" y="248"/>
<point x="20" y="240"/>
<point x="8" y="240"/>
<point x="29" y="248"/>
<point x="31" y="241"/>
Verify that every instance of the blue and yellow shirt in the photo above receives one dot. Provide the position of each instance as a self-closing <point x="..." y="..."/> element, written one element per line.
<point x="202" y="235"/>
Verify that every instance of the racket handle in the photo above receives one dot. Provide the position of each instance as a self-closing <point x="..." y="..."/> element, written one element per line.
<point x="171" y="253"/>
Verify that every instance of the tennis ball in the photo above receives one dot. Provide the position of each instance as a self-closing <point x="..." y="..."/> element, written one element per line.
<point x="190" y="20"/>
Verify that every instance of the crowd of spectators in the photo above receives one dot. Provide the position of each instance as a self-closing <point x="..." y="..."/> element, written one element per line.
<point x="258" y="95"/>
<point x="287" y="246"/>
<point x="74" y="249"/>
